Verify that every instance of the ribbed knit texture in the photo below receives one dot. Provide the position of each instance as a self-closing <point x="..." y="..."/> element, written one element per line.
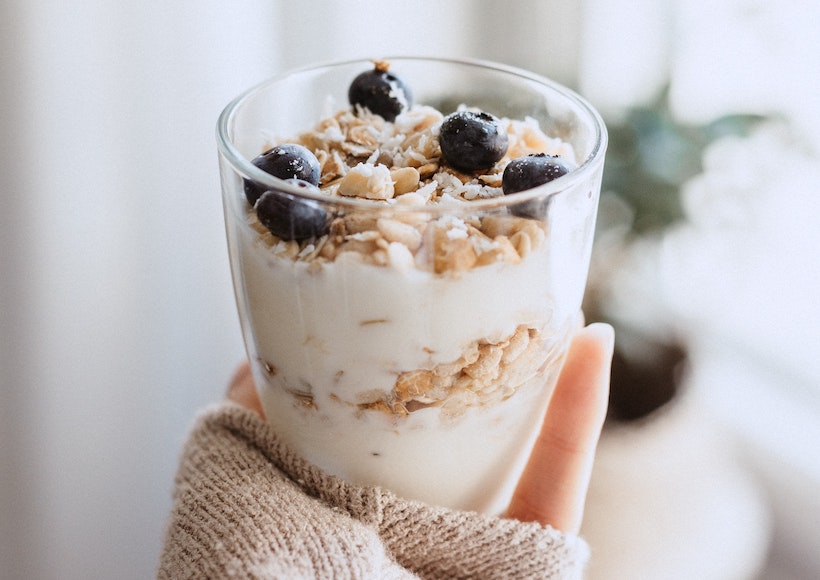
<point x="247" y="507"/>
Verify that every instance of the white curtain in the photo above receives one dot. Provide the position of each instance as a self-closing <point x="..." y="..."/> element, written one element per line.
<point x="118" y="318"/>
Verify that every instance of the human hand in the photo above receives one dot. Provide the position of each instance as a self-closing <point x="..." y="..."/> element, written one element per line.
<point x="553" y="487"/>
<point x="242" y="390"/>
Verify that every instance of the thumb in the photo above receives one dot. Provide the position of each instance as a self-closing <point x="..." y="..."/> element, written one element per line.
<point x="552" y="490"/>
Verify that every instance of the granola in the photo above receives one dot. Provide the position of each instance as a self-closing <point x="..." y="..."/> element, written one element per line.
<point x="485" y="374"/>
<point x="444" y="245"/>
<point x="399" y="164"/>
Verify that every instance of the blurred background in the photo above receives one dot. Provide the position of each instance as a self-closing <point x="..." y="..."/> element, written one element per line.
<point x="117" y="318"/>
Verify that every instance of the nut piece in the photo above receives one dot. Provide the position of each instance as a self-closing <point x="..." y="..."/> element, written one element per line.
<point x="452" y="250"/>
<point x="396" y="231"/>
<point x="405" y="179"/>
<point x="368" y="181"/>
<point x="454" y="256"/>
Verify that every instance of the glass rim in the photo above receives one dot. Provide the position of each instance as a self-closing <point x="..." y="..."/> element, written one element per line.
<point x="246" y="169"/>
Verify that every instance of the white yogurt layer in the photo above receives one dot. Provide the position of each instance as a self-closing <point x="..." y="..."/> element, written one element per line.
<point x="334" y="336"/>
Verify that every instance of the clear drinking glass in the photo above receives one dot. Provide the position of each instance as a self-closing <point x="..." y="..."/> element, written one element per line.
<point x="421" y="362"/>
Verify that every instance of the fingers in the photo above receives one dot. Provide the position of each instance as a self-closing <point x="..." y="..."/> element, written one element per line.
<point x="553" y="487"/>
<point x="242" y="390"/>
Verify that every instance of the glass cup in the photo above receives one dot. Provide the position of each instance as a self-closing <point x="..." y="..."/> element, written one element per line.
<point x="410" y="345"/>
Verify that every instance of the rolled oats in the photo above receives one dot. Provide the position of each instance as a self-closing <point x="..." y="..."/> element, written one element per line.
<point x="362" y="155"/>
<point x="527" y="239"/>
<point x="485" y="373"/>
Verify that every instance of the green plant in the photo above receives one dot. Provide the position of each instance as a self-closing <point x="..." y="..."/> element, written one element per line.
<point x="651" y="156"/>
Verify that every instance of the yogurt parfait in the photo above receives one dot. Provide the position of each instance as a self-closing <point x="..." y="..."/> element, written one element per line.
<point x="409" y="241"/>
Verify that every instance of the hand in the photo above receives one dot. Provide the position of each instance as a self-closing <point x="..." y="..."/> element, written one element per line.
<point x="242" y="390"/>
<point x="553" y="487"/>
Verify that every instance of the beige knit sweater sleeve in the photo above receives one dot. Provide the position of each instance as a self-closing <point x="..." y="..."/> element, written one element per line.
<point x="246" y="507"/>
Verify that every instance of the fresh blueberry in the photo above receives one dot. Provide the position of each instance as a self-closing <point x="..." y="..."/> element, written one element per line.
<point x="531" y="171"/>
<point x="380" y="92"/>
<point x="472" y="141"/>
<point x="289" y="217"/>
<point x="288" y="161"/>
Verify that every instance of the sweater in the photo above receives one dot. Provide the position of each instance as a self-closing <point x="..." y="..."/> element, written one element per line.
<point x="245" y="506"/>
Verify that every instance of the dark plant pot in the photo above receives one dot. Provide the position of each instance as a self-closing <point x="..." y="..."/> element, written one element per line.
<point x="642" y="385"/>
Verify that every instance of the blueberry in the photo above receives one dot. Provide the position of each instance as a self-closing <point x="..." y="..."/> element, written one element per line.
<point x="531" y="171"/>
<point x="380" y="92"/>
<point x="288" y="161"/>
<point x="471" y="141"/>
<point x="289" y="217"/>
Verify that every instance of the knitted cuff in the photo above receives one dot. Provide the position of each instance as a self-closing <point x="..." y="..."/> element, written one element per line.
<point x="241" y="497"/>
